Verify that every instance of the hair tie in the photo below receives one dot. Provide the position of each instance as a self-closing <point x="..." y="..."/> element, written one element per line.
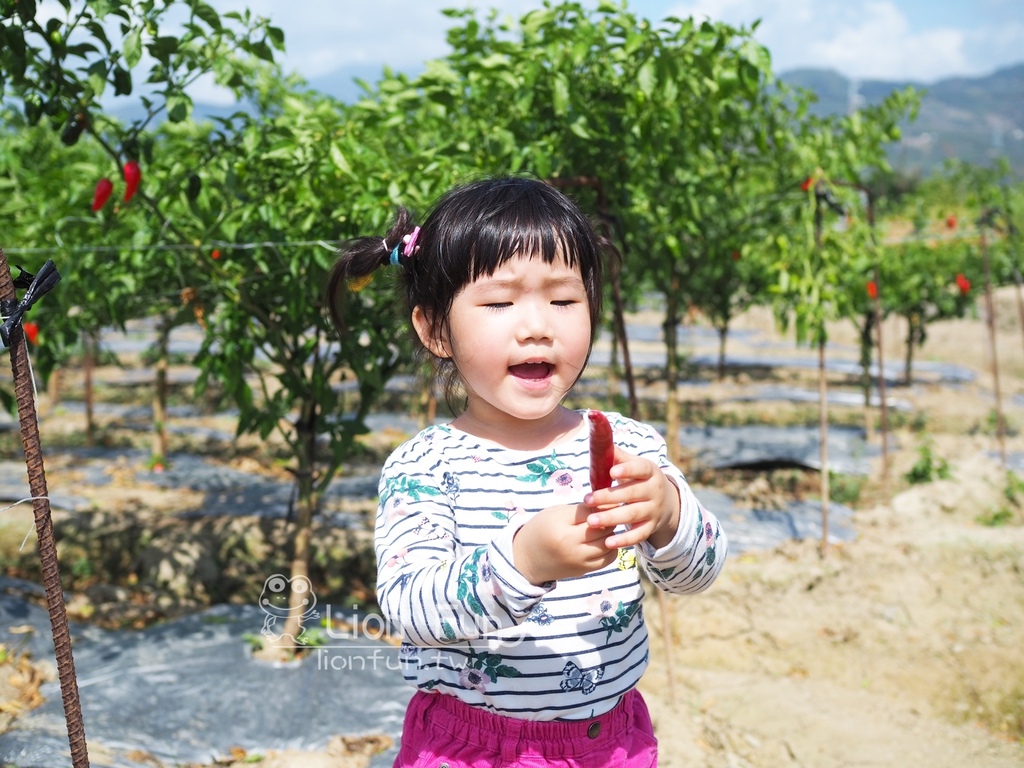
<point x="410" y="243"/>
<point x="394" y="257"/>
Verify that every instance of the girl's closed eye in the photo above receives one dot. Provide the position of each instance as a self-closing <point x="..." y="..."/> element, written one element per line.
<point x="496" y="306"/>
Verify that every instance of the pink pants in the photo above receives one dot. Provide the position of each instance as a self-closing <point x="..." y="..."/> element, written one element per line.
<point x="442" y="732"/>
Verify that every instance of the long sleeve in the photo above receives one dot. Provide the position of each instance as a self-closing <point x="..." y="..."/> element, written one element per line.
<point x="431" y="586"/>
<point x="693" y="559"/>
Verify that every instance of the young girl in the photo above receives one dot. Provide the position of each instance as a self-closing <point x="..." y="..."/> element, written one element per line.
<point x="514" y="585"/>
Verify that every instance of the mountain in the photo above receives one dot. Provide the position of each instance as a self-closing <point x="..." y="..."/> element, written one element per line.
<point x="973" y="119"/>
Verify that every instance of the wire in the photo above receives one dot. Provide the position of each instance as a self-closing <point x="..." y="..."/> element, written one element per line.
<point x="330" y="245"/>
<point x="22" y="501"/>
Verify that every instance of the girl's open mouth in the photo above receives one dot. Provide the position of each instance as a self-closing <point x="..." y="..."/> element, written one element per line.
<point x="531" y="370"/>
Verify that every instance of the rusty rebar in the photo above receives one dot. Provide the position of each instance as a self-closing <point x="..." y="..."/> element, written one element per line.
<point x="25" y="395"/>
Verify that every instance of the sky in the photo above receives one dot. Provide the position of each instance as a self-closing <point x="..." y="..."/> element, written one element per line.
<point x="916" y="40"/>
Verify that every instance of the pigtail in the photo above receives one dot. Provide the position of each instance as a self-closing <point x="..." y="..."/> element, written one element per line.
<point x="359" y="258"/>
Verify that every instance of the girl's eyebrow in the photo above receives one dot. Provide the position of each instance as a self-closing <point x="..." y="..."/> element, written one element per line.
<point x="498" y="283"/>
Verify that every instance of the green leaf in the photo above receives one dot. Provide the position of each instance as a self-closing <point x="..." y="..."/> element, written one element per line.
<point x="179" y="106"/>
<point x="207" y="14"/>
<point x="339" y="159"/>
<point x="163" y="47"/>
<point x="645" y="78"/>
<point x="276" y="35"/>
<point x="560" y="94"/>
<point x="122" y="81"/>
<point x="132" y="47"/>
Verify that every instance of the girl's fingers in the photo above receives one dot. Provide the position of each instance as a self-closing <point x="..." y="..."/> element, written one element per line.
<point x="632" y="468"/>
<point x="628" y="538"/>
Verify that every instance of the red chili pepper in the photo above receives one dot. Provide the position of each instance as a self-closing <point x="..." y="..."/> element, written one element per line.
<point x="963" y="284"/>
<point x="602" y="450"/>
<point x="31" y="331"/>
<point x="872" y="287"/>
<point x="951" y="221"/>
<point x="808" y="183"/>
<point x="103" y="189"/>
<point x="215" y="254"/>
<point x="132" y="177"/>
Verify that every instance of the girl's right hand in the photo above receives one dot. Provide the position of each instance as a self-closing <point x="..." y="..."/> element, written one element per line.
<point x="557" y="543"/>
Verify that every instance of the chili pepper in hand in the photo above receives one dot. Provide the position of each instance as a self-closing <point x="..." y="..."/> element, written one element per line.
<point x="602" y="450"/>
<point x="132" y="177"/>
<point x="103" y="189"/>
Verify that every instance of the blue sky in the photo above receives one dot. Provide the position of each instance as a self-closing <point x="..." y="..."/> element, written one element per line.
<point x="919" y="40"/>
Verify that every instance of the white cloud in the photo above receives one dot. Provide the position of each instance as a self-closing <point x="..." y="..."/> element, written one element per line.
<point x="322" y="37"/>
<point x="881" y="43"/>
<point x="993" y="46"/>
<point x="859" y="38"/>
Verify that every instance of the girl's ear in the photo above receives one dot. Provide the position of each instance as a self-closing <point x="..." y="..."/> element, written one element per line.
<point x="428" y="333"/>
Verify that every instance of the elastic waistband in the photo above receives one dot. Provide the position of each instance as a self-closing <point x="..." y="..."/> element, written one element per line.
<point x="485" y="728"/>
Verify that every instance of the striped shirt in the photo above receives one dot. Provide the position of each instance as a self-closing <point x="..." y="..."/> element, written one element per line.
<point x="471" y="624"/>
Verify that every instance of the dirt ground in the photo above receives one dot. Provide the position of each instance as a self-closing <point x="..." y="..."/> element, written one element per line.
<point x="904" y="647"/>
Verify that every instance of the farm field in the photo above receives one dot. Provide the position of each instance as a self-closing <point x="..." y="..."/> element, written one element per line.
<point x="903" y="646"/>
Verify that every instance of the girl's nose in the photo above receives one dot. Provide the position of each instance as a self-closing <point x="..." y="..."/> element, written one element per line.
<point x="534" y="322"/>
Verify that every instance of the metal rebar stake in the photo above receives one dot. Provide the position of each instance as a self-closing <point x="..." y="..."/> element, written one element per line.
<point x="25" y="396"/>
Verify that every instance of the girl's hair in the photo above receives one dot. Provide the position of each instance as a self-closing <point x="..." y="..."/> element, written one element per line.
<point x="471" y="231"/>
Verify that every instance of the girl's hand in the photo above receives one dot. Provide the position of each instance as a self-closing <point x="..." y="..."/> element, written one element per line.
<point x="559" y="543"/>
<point x="644" y="499"/>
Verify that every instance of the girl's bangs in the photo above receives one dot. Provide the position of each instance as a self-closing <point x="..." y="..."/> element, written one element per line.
<point x="498" y="242"/>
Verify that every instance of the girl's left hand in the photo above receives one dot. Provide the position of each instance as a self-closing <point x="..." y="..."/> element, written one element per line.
<point x="643" y="498"/>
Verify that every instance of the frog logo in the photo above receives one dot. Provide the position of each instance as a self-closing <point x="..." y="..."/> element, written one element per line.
<point x="275" y="601"/>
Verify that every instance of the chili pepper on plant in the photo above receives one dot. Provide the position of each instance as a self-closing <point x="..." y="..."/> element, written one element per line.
<point x="195" y="186"/>
<point x="132" y="178"/>
<point x="31" y="331"/>
<point x="602" y="450"/>
<point x="73" y="130"/>
<point x="872" y="288"/>
<point x="807" y="183"/>
<point x="963" y="284"/>
<point x="102" y="193"/>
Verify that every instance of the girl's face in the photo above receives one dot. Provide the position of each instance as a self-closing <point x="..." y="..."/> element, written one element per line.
<point x="519" y="339"/>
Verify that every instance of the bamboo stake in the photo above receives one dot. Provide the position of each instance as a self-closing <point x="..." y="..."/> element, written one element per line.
<point x="883" y="406"/>
<point x="1020" y="300"/>
<point x="25" y="396"/>
<point x="991" y="323"/>
<point x="823" y="432"/>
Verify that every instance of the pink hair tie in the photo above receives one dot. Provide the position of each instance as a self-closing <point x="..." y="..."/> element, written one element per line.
<point x="410" y="243"/>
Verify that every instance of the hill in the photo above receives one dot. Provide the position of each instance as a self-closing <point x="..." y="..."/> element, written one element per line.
<point x="974" y="119"/>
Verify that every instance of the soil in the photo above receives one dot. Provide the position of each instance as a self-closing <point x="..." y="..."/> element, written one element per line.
<point x="904" y="647"/>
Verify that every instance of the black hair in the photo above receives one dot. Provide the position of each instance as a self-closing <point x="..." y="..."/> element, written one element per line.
<point x="470" y="232"/>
